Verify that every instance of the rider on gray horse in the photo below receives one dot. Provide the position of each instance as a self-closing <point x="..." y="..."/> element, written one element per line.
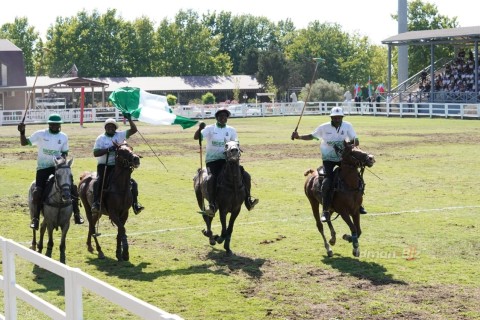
<point x="51" y="143"/>
<point x="216" y="135"/>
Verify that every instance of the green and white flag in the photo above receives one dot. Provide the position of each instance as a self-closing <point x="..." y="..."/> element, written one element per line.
<point x="147" y="107"/>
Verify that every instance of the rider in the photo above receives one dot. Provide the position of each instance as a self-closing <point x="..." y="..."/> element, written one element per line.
<point x="51" y="143"/>
<point x="104" y="150"/>
<point x="332" y="134"/>
<point x="216" y="135"/>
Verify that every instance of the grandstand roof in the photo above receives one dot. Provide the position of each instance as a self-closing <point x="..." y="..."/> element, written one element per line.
<point x="462" y="35"/>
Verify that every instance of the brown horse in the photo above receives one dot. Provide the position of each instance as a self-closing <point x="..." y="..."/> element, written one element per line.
<point x="56" y="207"/>
<point x="347" y="194"/>
<point x="229" y="196"/>
<point x="116" y="200"/>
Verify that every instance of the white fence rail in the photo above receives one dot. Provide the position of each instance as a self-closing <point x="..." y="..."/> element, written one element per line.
<point x="432" y="110"/>
<point x="74" y="281"/>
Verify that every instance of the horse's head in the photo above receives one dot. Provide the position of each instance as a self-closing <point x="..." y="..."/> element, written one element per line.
<point x="354" y="155"/>
<point x="232" y="151"/>
<point x="125" y="157"/>
<point x="63" y="177"/>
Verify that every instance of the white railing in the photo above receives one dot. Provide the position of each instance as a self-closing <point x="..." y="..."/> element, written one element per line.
<point x="74" y="281"/>
<point x="447" y="110"/>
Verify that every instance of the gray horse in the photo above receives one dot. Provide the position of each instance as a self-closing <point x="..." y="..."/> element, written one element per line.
<point x="230" y="195"/>
<point x="57" y="207"/>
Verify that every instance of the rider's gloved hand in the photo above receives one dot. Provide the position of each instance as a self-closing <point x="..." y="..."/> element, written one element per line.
<point x="21" y="128"/>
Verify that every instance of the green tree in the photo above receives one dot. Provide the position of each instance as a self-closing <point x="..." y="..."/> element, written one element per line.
<point x="425" y="16"/>
<point x="323" y="90"/>
<point x="271" y="88"/>
<point x="25" y="37"/>
<point x="208" y="98"/>
<point x="171" y="99"/>
<point x="273" y="65"/>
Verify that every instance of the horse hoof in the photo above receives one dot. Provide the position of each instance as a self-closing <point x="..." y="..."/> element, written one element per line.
<point x="330" y="253"/>
<point x="229" y="253"/>
<point x="125" y="256"/>
<point x="219" y="239"/>
<point x="212" y="241"/>
<point x="356" y="252"/>
<point x="347" y="237"/>
<point x="101" y="256"/>
<point x="332" y="242"/>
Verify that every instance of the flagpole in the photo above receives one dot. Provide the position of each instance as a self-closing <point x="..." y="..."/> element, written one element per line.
<point x="151" y="149"/>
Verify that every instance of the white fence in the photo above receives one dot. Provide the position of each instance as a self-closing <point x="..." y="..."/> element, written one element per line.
<point x="74" y="281"/>
<point x="432" y="110"/>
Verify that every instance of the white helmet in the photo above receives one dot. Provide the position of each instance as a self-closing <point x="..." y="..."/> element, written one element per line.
<point x="111" y="120"/>
<point x="336" y="111"/>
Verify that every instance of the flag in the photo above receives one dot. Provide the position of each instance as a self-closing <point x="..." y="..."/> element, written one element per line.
<point x="380" y="88"/>
<point x="357" y="90"/>
<point x="147" y="107"/>
<point x="370" y="86"/>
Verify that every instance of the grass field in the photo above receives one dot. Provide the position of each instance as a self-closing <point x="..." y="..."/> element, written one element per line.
<point x="420" y="253"/>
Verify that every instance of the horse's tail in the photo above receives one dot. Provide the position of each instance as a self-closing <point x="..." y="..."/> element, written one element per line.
<point x="309" y="171"/>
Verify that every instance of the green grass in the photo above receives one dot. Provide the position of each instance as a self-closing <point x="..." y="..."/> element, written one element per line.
<point x="422" y="198"/>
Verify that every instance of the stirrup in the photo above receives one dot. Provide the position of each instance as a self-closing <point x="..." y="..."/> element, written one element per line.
<point x="137" y="208"/>
<point x="325" y="216"/>
<point x="34" y="224"/>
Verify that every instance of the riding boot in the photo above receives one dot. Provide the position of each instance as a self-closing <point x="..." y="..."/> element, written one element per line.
<point x="37" y="201"/>
<point x="137" y="207"/>
<point x="250" y="202"/>
<point x="75" y="205"/>
<point x="211" y="190"/>
<point x="96" y="197"/>
<point x="326" y="200"/>
<point x="362" y="210"/>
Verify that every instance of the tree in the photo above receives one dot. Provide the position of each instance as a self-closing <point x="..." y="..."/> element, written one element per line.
<point x="272" y="64"/>
<point x="322" y="90"/>
<point x="425" y="16"/>
<point x="271" y="88"/>
<point x="25" y="37"/>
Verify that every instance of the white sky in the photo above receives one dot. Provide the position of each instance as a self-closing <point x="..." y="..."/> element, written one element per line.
<point x="371" y="18"/>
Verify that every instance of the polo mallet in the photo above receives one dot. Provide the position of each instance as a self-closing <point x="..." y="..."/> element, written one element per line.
<point x="317" y="60"/>
<point x="33" y="87"/>
<point x="146" y="142"/>
<point x="200" y="172"/>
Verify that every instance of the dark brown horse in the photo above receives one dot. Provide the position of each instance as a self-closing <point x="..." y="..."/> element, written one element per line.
<point x="347" y="194"/>
<point x="56" y="208"/>
<point x="229" y="196"/>
<point x="116" y="200"/>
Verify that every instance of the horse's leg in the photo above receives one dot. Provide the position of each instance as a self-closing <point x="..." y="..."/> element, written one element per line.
<point x="229" y="232"/>
<point x="34" y="240"/>
<point x="353" y="238"/>
<point x="48" y="253"/>
<point x="125" y="253"/>
<point x="43" y="226"/>
<point x="63" y="243"/>
<point x="208" y="233"/>
<point x="223" y="221"/>
<point x="314" y="203"/>
<point x="120" y="235"/>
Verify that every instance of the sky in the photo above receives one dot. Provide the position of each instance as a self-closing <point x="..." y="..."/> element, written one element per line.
<point x="370" y="18"/>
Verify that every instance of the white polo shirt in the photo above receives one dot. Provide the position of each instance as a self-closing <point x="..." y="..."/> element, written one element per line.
<point x="216" y="138"/>
<point x="50" y="145"/>
<point x="104" y="142"/>
<point x="331" y="137"/>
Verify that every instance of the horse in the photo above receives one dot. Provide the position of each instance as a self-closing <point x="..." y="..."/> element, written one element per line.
<point x="116" y="199"/>
<point x="57" y="207"/>
<point x="347" y="194"/>
<point x="230" y="195"/>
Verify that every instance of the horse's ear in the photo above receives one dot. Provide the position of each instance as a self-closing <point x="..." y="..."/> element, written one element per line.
<point x="70" y="162"/>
